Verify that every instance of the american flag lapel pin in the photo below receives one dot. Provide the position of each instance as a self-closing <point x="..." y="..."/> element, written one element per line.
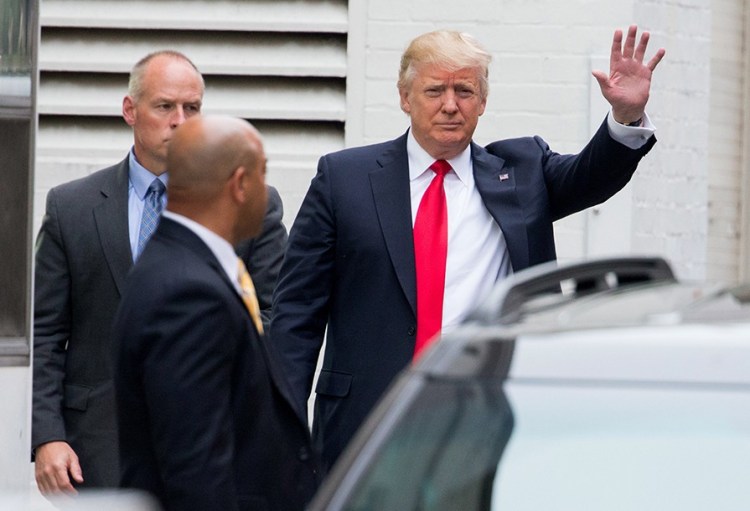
<point x="503" y="177"/>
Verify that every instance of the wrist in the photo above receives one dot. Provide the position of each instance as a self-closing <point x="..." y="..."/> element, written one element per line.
<point x="631" y="124"/>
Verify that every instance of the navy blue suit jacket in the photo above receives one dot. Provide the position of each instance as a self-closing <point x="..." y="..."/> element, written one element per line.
<point x="205" y="417"/>
<point x="350" y="259"/>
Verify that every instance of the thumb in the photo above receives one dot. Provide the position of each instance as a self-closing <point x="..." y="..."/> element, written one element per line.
<point x="601" y="77"/>
<point x="75" y="469"/>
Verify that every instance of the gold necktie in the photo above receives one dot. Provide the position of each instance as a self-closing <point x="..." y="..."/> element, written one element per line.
<point x="248" y="294"/>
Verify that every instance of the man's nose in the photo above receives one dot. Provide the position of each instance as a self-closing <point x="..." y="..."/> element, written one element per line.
<point x="178" y="117"/>
<point x="449" y="101"/>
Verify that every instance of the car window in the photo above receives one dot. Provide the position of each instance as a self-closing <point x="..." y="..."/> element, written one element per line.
<point x="468" y="444"/>
<point x="443" y="454"/>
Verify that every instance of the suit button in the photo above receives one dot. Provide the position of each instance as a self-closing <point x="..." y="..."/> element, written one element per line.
<point x="412" y="330"/>
<point x="303" y="454"/>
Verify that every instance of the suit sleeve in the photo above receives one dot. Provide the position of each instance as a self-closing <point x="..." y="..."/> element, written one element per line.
<point x="302" y="298"/>
<point x="264" y="254"/>
<point x="571" y="182"/>
<point x="51" y="328"/>
<point x="601" y="169"/>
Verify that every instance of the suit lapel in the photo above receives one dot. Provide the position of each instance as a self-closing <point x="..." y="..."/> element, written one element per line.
<point x="390" y="189"/>
<point x="496" y="183"/>
<point x="111" y="217"/>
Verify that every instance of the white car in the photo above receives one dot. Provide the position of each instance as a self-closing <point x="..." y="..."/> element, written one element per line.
<point x="603" y="385"/>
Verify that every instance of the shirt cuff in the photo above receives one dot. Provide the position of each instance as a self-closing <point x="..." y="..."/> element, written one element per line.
<point x="633" y="137"/>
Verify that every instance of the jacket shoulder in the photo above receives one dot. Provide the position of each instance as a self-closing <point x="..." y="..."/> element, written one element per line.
<point x="366" y="152"/>
<point x="514" y="148"/>
<point x="94" y="181"/>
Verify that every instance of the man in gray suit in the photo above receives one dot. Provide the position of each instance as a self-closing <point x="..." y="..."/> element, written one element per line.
<point x="87" y="244"/>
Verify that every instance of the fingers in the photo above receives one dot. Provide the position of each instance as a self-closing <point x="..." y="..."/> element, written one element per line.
<point x="75" y="470"/>
<point x="656" y="59"/>
<point x="616" y="51"/>
<point x="62" y="482"/>
<point x="640" y="51"/>
<point x="629" y="49"/>
<point x="53" y="479"/>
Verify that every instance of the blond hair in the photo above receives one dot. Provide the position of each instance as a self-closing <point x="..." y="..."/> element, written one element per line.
<point x="449" y="49"/>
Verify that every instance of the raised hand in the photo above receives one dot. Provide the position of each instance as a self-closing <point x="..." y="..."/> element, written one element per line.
<point x="628" y="84"/>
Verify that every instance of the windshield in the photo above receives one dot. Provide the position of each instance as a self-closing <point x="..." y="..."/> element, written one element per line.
<point x="443" y="454"/>
<point x="484" y="445"/>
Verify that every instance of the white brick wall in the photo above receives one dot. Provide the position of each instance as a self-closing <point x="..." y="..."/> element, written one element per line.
<point x="684" y="201"/>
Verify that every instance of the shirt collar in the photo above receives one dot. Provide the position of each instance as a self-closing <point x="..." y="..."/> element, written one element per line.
<point x="220" y="247"/>
<point x="420" y="161"/>
<point x="140" y="177"/>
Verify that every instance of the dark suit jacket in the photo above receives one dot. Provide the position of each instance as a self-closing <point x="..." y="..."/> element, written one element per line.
<point x="82" y="257"/>
<point x="205" y="417"/>
<point x="350" y="259"/>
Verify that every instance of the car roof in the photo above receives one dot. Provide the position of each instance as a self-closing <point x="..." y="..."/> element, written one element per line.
<point x="619" y="320"/>
<point x="613" y="292"/>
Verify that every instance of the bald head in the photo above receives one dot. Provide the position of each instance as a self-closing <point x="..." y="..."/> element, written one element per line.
<point x="216" y="168"/>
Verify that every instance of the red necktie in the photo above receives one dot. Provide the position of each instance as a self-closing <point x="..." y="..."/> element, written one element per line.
<point x="430" y="252"/>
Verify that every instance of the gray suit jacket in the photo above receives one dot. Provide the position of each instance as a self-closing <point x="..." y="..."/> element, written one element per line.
<point x="82" y="258"/>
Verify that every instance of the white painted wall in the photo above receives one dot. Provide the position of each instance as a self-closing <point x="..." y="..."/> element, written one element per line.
<point x="15" y="432"/>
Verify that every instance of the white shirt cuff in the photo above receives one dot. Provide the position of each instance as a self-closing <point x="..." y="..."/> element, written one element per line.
<point x="631" y="136"/>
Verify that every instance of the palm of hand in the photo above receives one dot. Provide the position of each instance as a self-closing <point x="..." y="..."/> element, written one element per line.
<point x="628" y="86"/>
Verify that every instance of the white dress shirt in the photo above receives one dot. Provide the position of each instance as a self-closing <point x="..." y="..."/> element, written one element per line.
<point x="477" y="253"/>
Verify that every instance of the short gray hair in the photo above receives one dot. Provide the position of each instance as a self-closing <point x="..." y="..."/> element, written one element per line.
<point x="135" y="82"/>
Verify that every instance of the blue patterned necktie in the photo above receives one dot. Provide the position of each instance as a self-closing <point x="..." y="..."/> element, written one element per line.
<point x="152" y="207"/>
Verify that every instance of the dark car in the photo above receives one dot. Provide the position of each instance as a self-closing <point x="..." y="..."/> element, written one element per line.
<point x="603" y="385"/>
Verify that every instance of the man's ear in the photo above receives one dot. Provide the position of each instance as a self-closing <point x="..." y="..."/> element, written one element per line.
<point x="238" y="184"/>
<point x="404" y="97"/>
<point x="128" y="110"/>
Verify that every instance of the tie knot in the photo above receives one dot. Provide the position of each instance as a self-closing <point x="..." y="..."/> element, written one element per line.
<point x="441" y="167"/>
<point x="156" y="187"/>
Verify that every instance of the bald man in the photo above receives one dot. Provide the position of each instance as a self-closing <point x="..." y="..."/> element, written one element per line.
<point x="205" y="419"/>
